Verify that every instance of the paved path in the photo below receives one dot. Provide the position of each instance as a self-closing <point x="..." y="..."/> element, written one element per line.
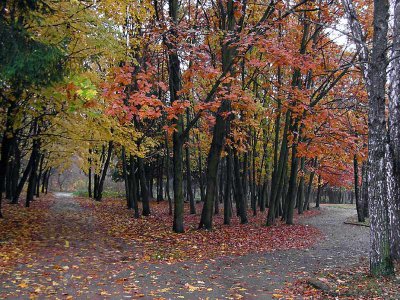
<point x="78" y="260"/>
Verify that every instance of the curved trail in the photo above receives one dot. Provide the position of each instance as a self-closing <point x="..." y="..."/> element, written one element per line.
<point x="78" y="260"/>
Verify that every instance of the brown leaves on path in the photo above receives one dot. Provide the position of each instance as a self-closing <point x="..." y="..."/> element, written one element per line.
<point x="344" y="283"/>
<point x="154" y="240"/>
<point x="21" y="229"/>
<point x="80" y="248"/>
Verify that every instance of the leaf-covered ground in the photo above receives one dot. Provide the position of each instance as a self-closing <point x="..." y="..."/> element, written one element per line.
<point x="153" y="239"/>
<point x="344" y="283"/>
<point x="71" y="248"/>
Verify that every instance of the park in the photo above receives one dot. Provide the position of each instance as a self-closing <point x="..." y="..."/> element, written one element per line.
<point x="199" y="149"/>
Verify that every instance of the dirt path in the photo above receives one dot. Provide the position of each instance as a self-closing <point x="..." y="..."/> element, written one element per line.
<point x="76" y="259"/>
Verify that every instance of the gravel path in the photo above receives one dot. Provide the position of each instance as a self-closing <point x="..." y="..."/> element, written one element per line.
<point x="256" y="276"/>
<point x="80" y="261"/>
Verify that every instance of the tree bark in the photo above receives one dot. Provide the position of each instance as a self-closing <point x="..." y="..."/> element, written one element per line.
<point x="394" y="136"/>
<point x="359" y="205"/>
<point x="143" y="188"/>
<point x="380" y="255"/>
<point x="99" y="193"/>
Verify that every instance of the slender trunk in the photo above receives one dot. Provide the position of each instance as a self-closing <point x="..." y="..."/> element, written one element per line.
<point x="160" y="179"/>
<point x="364" y="190"/>
<point x="48" y="180"/>
<point x="239" y="190"/>
<point x="359" y="206"/>
<point x="227" y="196"/>
<point x="33" y="174"/>
<point x="128" y="193"/>
<point x="104" y="172"/>
<point x="133" y="187"/>
<point x="189" y="183"/>
<point x="201" y="181"/>
<point x="90" y="174"/>
<point x="39" y="175"/>
<point x="167" y="186"/>
<point x="300" y="191"/>
<point x="318" y="199"/>
<point x="178" y="185"/>
<point x="143" y="188"/>
<point x="310" y="181"/>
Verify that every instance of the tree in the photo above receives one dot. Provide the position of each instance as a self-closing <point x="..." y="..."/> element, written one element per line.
<point x="374" y="70"/>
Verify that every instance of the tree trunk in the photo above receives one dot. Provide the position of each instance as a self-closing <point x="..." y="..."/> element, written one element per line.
<point x="39" y="175"/>
<point x="291" y="196"/>
<point x="227" y="196"/>
<point x="300" y="191"/>
<point x="143" y="188"/>
<point x="278" y="173"/>
<point x="380" y="257"/>
<point x="33" y="175"/>
<point x="318" y="199"/>
<point x="102" y="178"/>
<point x="394" y="137"/>
<point x="167" y="185"/>
<point x="133" y="187"/>
<point x="359" y="205"/>
<point x="189" y="183"/>
<point x="6" y="142"/>
<point x="90" y="174"/>
<point x="239" y="190"/>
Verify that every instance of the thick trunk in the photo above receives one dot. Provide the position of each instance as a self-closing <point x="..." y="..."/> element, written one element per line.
<point x="212" y="168"/>
<point x="277" y="175"/>
<point x="220" y="127"/>
<point x="291" y="196"/>
<point x="6" y="143"/>
<point x="174" y="87"/>
<point x="394" y="136"/>
<point x="380" y="257"/>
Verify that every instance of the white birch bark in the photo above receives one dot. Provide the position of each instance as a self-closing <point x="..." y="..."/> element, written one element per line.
<point x="374" y="66"/>
<point x="394" y="134"/>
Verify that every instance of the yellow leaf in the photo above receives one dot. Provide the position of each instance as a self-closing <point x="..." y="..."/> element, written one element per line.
<point x="66" y="244"/>
<point x="23" y="285"/>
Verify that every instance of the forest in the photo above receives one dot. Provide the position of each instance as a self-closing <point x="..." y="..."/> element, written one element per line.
<point x="201" y="133"/>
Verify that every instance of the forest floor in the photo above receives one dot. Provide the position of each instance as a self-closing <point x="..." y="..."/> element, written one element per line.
<point x="73" y="248"/>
